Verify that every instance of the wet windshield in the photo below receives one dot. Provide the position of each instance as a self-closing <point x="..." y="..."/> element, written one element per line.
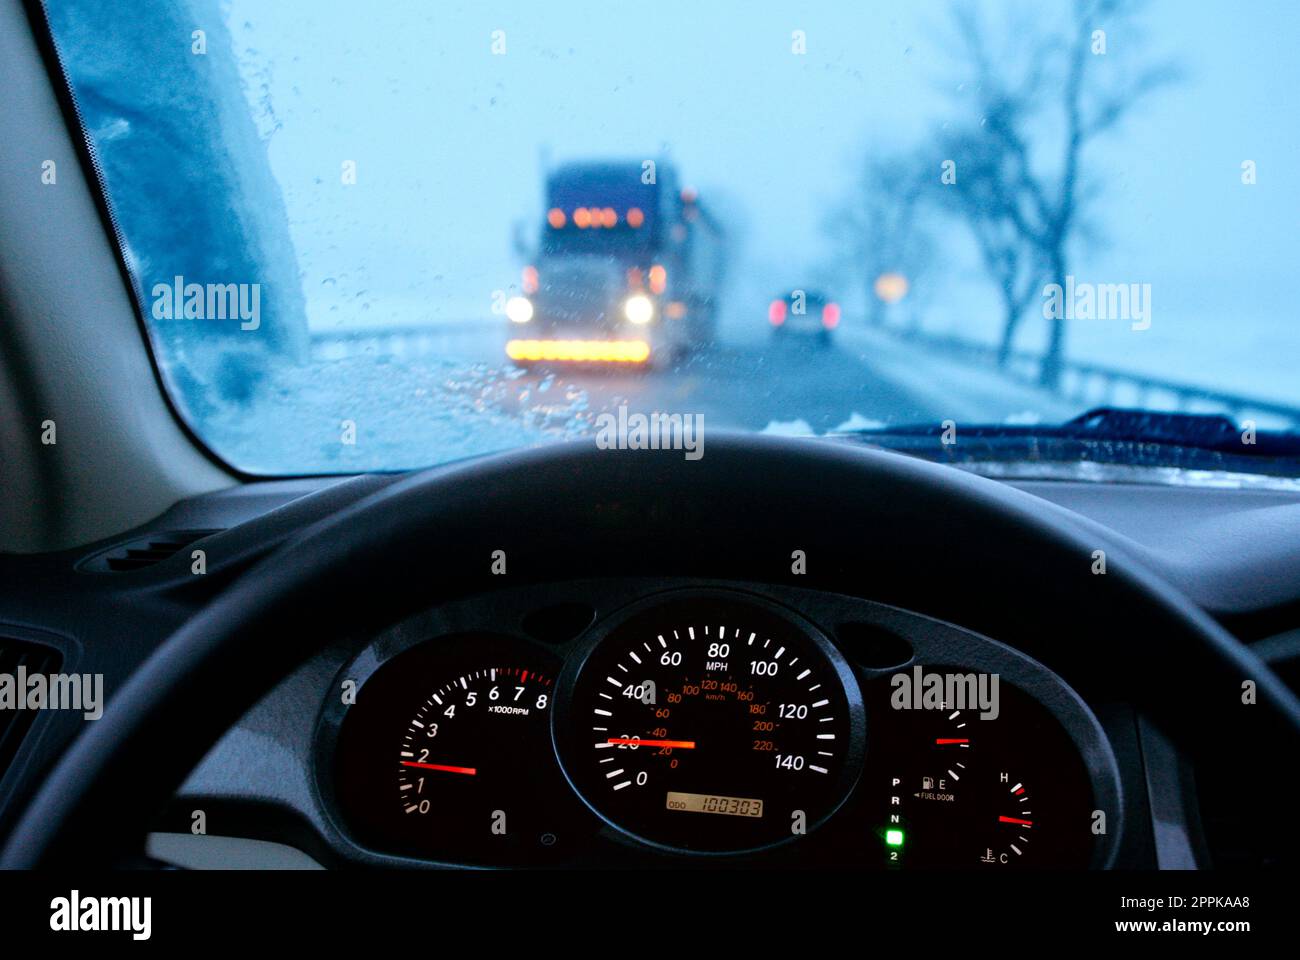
<point x="388" y="237"/>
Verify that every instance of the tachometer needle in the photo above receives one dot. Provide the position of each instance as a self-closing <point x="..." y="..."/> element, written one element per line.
<point x="943" y="740"/>
<point x="634" y="742"/>
<point x="468" y="771"/>
<point x="1023" y="823"/>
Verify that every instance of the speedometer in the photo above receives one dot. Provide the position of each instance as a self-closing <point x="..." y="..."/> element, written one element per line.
<point x="710" y="722"/>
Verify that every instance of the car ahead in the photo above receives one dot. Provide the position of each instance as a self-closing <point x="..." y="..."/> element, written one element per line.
<point x="804" y="313"/>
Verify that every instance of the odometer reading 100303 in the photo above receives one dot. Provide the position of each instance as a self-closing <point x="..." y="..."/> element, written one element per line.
<point x="711" y="723"/>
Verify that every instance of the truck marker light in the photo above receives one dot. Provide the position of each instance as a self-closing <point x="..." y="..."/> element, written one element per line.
<point x="580" y="351"/>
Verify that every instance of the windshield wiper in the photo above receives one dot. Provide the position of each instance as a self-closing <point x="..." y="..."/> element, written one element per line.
<point x="1106" y="435"/>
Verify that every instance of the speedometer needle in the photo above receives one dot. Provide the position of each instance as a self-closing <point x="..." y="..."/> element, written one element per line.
<point x="469" y="771"/>
<point x="634" y="742"/>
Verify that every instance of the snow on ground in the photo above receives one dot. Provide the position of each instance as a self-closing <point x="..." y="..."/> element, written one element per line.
<point x="447" y="393"/>
<point x="973" y="394"/>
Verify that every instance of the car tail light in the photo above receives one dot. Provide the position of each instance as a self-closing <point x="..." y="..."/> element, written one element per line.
<point x="776" y="313"/>
<point x="831" y="316"/>
<point x="529" y="279"/>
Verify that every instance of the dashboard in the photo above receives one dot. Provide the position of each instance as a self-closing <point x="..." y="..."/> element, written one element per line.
<point x="915" y="707"/>
<point x="643" y="722"/>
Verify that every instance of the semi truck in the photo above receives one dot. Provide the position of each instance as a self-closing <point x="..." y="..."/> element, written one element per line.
<point x="627" y="269"/>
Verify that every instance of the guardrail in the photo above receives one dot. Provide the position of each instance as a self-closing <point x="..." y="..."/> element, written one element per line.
<point x="1096" y="385"/>
<point x="412" y="340"/>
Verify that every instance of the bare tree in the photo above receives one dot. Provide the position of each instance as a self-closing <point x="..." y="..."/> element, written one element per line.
<point x="987" y="205"/>
<point x="1041" y="99"/>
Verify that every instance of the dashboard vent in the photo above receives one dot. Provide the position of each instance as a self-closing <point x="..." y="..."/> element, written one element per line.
<point x="36" y="658"/>
<point x="144" y="552"/>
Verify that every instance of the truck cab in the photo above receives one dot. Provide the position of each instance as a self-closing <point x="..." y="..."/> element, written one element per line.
<point x="626" y="269"/>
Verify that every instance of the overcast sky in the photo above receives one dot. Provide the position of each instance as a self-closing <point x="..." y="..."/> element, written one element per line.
<point x="447" y="138"/>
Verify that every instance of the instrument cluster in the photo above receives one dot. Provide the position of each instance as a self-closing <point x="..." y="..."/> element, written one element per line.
<point x="716" y="724"/>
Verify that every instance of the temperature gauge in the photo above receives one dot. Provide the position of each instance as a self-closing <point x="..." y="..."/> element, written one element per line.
<point x="966" y="792"/>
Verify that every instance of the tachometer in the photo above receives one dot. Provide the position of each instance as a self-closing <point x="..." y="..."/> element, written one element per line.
<point x="709" y="722"/>
<point x="462" y="750"/>
<point x="447" y="753"/>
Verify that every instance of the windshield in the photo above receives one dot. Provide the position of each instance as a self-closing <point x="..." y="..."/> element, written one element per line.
<point x="393" y="236"/>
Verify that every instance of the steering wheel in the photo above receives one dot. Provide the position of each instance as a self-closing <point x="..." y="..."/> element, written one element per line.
<point x="871" y="524"/>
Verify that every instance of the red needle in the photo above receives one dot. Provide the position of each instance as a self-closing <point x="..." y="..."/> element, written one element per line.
<point x="1023" y="823"/>
<point x="943" y="740"/>
<point x="470" y="771"/>
<point x="633" y="742"/>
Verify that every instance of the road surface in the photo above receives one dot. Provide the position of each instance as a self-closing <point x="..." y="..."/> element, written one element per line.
<point x="758" y="382"/>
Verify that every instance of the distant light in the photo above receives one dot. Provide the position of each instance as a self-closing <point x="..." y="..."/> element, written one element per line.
<point x="609" y="217"/>
<point x="658" y="279"/>
<point x="556" y="218"/>
<point x="635" y="217"/>
<point x="776" y="312"/>
<point x="635" y="279"/>
<point x="894" y="838"/>
<point x="689" y="195"/>
<point x="519" y="309"/>
<point x="529" y="280"/>
<point x="580" y="351"/>
<point x="831" y="316"/>
<point x="638" y="308"/>
<point x="582" y="218"/>
<point x="891" y="287"/>
<point x="675" y="310"/>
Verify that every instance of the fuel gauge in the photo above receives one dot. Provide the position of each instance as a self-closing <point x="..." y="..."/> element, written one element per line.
<point x="966" y="792"/>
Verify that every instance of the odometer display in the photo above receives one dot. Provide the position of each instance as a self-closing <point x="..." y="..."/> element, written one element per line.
<point x="711" y="704"/>
<point x="699" y="803"/>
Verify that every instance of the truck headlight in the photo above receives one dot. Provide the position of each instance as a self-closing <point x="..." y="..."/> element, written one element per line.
<point x="519" y="309"/>
<point x="638" y="308"/>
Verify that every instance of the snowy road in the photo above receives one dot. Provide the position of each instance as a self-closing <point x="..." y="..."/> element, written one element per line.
<point x="388" y="399"/>
<point x="757" y="382"/>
